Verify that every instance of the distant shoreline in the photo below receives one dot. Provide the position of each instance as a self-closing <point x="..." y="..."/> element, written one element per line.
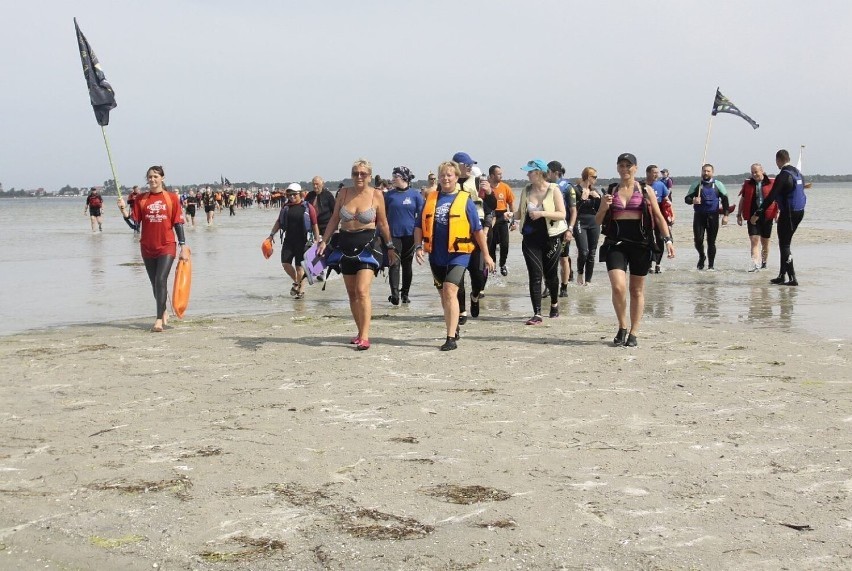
<point x="514" y="183"/>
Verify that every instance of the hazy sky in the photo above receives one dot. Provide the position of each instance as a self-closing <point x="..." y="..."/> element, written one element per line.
<point x="283" y="90"/>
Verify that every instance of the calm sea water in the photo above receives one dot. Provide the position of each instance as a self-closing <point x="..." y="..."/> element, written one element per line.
<point x="54" y="272"/>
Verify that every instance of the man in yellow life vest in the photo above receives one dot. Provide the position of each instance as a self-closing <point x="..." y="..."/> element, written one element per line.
<point x="450" y="231"/>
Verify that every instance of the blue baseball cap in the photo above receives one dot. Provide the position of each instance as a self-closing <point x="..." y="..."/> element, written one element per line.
<point x="463" y="159"/>
<point x="535" y="165"/>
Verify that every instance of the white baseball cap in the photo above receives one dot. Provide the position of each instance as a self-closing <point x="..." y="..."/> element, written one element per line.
<point x="294" y="187"/>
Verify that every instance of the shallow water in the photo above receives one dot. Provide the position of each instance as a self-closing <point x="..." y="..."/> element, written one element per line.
<point x="54" y="271"/>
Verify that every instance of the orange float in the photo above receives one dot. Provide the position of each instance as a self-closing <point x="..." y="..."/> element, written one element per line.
<point x="182" y="285"/>
<point x="267" y="248"/>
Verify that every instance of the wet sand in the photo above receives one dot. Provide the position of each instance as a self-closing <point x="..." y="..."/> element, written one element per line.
<point x="268" y="443"/>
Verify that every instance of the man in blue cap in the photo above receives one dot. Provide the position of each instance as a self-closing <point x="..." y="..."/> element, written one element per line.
<point x="476" y="269"/>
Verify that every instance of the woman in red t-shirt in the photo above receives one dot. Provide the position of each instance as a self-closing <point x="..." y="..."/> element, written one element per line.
<point x="160" y="217"/>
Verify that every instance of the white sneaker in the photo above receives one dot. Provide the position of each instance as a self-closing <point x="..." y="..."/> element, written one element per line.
<point x="754" y="267"/>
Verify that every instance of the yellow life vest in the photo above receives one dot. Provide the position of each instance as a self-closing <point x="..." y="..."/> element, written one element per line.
<point x="460" y="240"/>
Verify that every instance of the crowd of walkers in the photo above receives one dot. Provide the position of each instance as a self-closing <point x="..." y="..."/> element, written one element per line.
<point x="463" y="217"/>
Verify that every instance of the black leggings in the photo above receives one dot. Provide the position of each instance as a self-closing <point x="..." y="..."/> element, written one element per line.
<point x="499" y="236"/>
<point x="709" y="223"/>
<point x="158" y="272"/>
<point x="478" y="277"/>
<point x="788" y="222"/>
<point x="542" y="258"/>
<point x="586" y="236"/>
<point x="405" y="248"/>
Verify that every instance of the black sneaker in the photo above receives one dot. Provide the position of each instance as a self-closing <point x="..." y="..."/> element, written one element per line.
<point x="449" y="345"/>
<point x="563" y="290"/>
<point x="462" y="319"/>
<point x="474" y="307"/>
<point x="631" y="341"/>
<point x="792" y="282"/>
<point x="620" y="337"/>
<point x="393" y="299"/>
<point x="504" y="271"/>
<point x="554" y="311"/>
<point x="763" y="265"/>
<point x="405" y="298"/>
<point x="700" y="265"/>
<point x="657" y="269"/>
<point x="777" y="281"/>
<point x="458" y="334"/>
<point x="570" y="275"/>
<point x="535" y="320"/>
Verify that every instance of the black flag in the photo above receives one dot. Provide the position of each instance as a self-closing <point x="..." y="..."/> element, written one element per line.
<point x="722" y="104"/>
<point x="100" y="92"/>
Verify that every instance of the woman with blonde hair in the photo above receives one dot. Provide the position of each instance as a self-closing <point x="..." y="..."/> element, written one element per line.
<point x="586" y="231"/>
<point x="449" y="229"/>
<point x="359" y="214"/>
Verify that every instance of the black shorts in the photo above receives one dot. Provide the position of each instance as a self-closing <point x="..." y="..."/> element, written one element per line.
<point x="190" y="210"/>
<point x="621" y="255"/>
<point x="94" y="211"/>
<point x="452" y="274"/>
<point x="210" y="208"/>
<point x="763" y="228"/>
<point x="292" y="253"/>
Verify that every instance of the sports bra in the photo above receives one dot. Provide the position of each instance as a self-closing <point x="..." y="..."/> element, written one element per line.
<point x="633" y="205"/>
<point x="366" y="217"/>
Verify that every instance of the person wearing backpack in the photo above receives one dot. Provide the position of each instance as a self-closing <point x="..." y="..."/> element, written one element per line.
<point x="94" y="204"/>
<point x="708" y="198"/>
<point x="297" y="222"/>
<point x="628" y="213"/>
<point x="160" y="217"/>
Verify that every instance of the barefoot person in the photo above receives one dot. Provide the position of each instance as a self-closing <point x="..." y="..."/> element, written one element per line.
<point x="160" y="218"/>
<point x="625" y="213"/>
<point x="449" y="230"/>
<point x="359" y="212"/>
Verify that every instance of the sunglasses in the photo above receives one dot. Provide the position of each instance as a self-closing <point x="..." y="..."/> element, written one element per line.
<point x="594" y="176"/>
<point x="359" y="174"/>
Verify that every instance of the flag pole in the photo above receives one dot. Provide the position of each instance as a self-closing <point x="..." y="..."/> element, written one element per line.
<point x="707" y="141"/>
<point x="111" y="164"/>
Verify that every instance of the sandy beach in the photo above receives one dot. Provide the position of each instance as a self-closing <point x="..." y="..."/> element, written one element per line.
<point x="268" y="443"/>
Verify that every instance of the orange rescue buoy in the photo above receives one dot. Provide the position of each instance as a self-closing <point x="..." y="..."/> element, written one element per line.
<point x="267" y="248"/>
<point x="183" y="283"/>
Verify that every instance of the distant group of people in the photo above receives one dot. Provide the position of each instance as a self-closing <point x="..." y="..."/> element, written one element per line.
<point x="463" y="217"/>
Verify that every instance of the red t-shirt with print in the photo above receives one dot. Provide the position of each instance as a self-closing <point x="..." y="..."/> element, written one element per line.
<point x="157" y="215"/>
